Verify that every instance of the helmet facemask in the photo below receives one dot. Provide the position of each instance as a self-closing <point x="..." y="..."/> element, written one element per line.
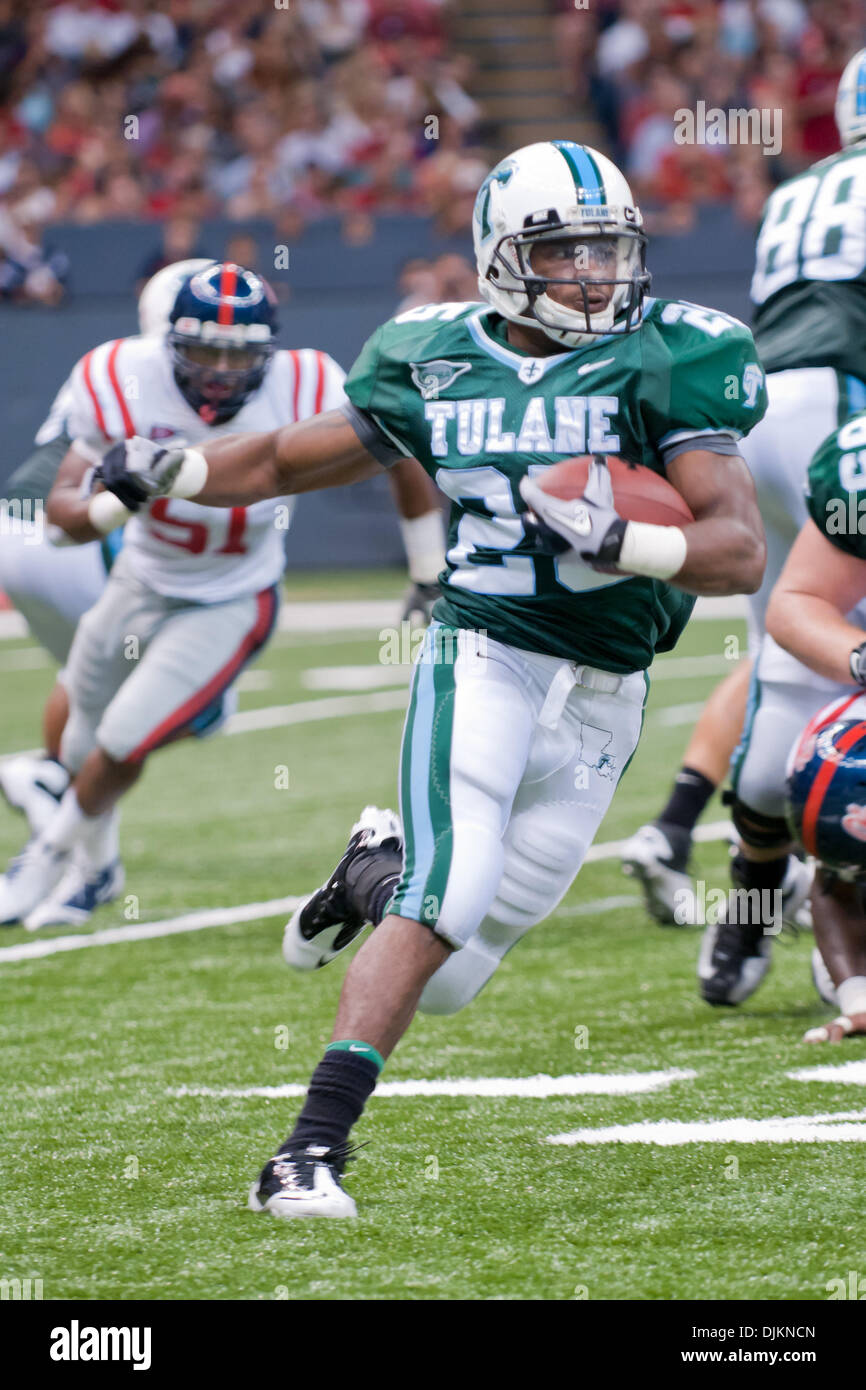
<point x="602" y="264"/>
<point x="218" y="371"/>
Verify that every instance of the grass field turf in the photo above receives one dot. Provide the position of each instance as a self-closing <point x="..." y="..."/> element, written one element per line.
<point x="115" y="1187"/>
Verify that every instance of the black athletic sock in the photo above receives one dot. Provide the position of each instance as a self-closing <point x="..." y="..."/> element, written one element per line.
<point x="371" y="879"/>
<point x="340" y="1087"/>
<point x="766" y="876"/>
<point x="380" y="899"/>
<point x="690" y="794"/>
<point x="750" y="873"/>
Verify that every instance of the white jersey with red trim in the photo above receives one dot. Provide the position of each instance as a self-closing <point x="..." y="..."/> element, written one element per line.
<point x="181" y="549"/>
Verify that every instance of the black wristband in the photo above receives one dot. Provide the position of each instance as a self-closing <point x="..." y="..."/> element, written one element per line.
<point x="608" y="553"/>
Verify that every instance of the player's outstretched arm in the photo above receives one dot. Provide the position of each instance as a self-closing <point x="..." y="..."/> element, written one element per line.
<point x="726" y="550"/>
<point x="321" y="452"/>
<point x="806" y="615"/>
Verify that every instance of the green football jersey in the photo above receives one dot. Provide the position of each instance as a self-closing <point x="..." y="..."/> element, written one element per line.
<point x="34" y="478"/>
<point x="836" y="487"/>
<point x="809" y="286"/>
<point x="443" y="383"/>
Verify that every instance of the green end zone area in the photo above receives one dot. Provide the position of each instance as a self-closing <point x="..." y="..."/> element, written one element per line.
<point x="117" y="1186"/>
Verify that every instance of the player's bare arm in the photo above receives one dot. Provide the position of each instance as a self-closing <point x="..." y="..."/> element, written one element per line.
<point x="818" y="586"/>
<point x="412" y="489"/>
<point x="66" y="505"/>
<point x="725" y="547"/>
<point x="318" y="453"/>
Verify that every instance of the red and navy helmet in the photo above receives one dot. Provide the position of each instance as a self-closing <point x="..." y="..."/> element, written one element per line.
<point x="826" y="797"/>
<point x="221" y="335"/>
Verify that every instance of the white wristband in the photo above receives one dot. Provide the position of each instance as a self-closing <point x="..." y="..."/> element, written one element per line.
<point x="424" y="539"/>
<point x="852" y="995"/>
<point x="659" y="552"/>
<point x="192" y="476"/>
<point x="105" y="512"/>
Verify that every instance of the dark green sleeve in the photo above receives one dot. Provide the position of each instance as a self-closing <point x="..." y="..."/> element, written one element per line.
<point x="34" y="478"/>
<point x="376" y="384"/>
<point x="705" y="377"/>
<point x="836" y="487"/>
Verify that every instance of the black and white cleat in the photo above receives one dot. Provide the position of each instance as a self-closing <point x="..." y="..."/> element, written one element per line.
<point x="303" y="1182"/>
<point x="330" y="920"/>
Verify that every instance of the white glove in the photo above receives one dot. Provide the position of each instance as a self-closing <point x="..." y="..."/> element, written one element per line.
<point x="591" y="524"/>
<point x="137" y="469"/>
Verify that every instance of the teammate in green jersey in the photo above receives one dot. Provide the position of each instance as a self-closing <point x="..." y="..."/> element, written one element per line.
<point x="809" y="297"/>
<point x="817" y="614"/>
<point x="528" y="695"/>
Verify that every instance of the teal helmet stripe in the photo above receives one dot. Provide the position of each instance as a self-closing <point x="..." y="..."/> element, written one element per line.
<point x="584" y="171"/>
<point x="860" y="88"/>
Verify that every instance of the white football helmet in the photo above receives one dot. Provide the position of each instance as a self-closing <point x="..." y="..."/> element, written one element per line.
<point x="851" y="101"/>
<point x="559" y="191"/>
<point x="156" y="300"/>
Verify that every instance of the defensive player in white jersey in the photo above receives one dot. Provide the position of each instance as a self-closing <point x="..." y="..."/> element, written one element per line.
<point x="53" y="583"/>
<point x="192" y="597"/>
<point x="809" y="293"/>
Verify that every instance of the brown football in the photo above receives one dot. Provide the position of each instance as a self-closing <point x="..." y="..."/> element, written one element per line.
<point x="639" y="493"/>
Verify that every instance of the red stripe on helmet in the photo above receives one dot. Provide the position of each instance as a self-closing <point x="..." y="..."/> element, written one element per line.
<point x="821" y="785"/>
<point x="228" y="283"/>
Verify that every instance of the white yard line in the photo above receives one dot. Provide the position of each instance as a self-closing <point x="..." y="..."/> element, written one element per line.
<point x="525" y="1087"/>
<point x="846" y="1073"/>
<point x="844" y="1126"/>
<point x="310" y="711"/>
<point x="356" y="615"/>
<point x="149" y="931"/>
<point x="25" y="659"/>
<point x="612" y="849"/>
<point x="369" y="677"/>
<point x="250" y="912"/>
<point x="281" y="716"/>
<point x="672" y="716"/>
<point x="671" y="668"/>
<point x="598" y="905"/>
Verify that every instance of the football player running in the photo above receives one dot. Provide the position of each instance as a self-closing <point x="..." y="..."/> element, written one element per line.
<point x="53" y="583"/>
<point x="809" y="296"/>
<point x="817" y="616"/>
<point x="527" y="697"/>
<point x="192" y="596"/>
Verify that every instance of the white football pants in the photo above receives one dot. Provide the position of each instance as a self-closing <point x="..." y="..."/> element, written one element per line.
<point x="510" y="760"/>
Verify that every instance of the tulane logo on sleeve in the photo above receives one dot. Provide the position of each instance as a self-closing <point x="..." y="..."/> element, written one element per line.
<point x="438" y="375"/>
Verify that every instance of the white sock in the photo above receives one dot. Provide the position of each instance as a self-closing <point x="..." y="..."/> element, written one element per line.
<point x="68" y="825"/>
<point x="101" y="844"/>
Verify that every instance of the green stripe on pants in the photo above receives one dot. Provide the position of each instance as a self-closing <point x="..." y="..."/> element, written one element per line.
<point x="425" y="792"/>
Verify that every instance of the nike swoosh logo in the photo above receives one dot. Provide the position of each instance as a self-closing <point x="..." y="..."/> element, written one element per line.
<point x="353" y="1048"/>
<point x="594" y="366"/>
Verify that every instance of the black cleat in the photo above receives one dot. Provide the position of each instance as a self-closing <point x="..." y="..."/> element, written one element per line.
<point x="327" y="922"/>
<point x="735" y="955"/>
<point x="303" y="1181"/>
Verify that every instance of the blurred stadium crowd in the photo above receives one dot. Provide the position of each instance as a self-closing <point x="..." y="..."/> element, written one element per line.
<point x="181" y="110"/>
<point x="634" y="64"/>
<point x="241" y="109"/>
